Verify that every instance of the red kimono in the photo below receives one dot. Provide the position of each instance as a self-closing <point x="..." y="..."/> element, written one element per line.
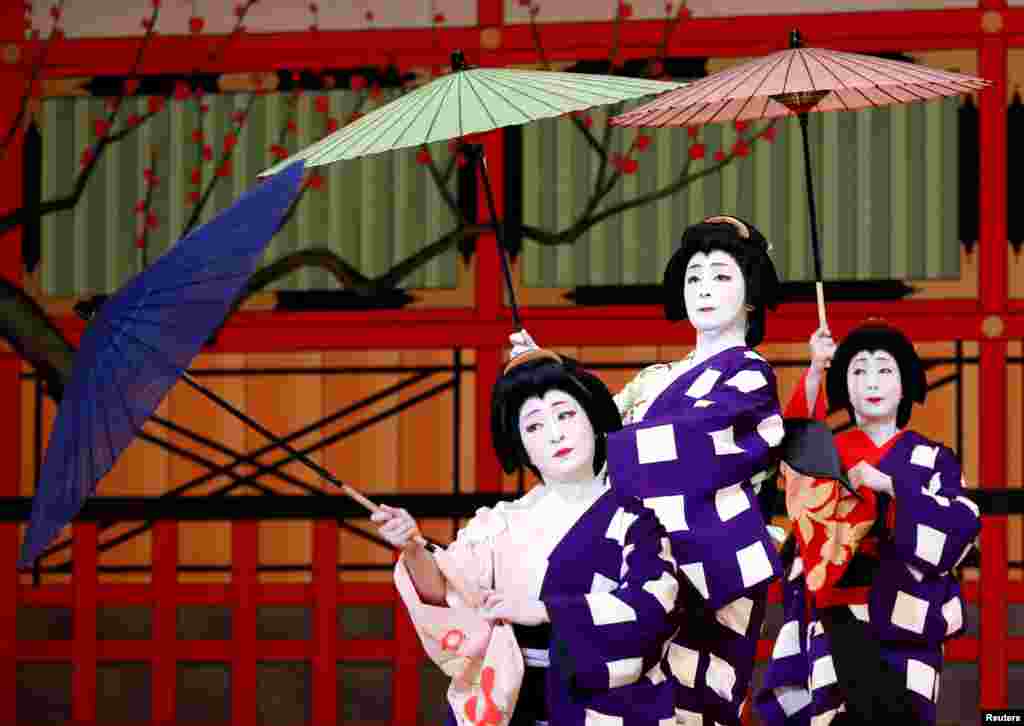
<point x="830" y="524"/>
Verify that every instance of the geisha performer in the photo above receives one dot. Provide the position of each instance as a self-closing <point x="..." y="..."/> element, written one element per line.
<point x="552" y="608"/>
<point x="870" y="597"/>
<point x="697" y="444"/>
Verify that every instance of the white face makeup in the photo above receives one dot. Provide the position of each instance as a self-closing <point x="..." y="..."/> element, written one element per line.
<point x="558" y="437"/>
<point x="714" y="291"/>
<point x="873" y="379"/>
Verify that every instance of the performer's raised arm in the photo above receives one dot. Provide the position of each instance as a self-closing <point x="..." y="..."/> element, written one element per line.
<point x="808" y="399"/>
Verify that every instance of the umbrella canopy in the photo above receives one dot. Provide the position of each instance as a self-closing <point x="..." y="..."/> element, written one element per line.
<point x="795" y="82"/>
<point x="469" y="101"/>
<point x="798" y="80"/>
<point x="139" y="344"/>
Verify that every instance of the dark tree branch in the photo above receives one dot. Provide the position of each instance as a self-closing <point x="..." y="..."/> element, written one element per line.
<point x="441" y="182"/>
<point x="37" y="68"/>
<point x="588" y="219"/>
<point x="15" y="218"/>
<point x="197" y="210"/>
<point x="348" y="276"/>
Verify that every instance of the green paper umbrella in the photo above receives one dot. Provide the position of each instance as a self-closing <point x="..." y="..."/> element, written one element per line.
<point x="472" y="101"/>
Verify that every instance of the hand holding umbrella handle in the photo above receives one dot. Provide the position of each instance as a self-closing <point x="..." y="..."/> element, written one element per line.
<point x="372" y="508"/>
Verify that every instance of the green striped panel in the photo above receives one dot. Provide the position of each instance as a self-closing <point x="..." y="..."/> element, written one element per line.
<point x="884" y="185"/>
<point x="373" y="212"/>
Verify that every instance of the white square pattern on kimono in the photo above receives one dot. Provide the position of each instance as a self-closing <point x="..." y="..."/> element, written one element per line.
<point x="930" y="542"/>
<point x="792" y="698"/>
<point x="861" y="613"/>
<point x="797" y="569"/>
<point x="787" y="642"/>
<point x="694" y="572"/>
<point x="666" y="552"/>
<point x="924" y="455"/>
<point x="688" y="718"/>
<point x="600" y="583"/>
<point x="626" y="552"/>
<point x="823" y="673"/>
<point x="664" y="590"/>
<point x="624" y="671"/>
<point x="814" y="629"/>
<point x="683" y="663"/>
<point x="721" y="677"/>
<point x="730" y="501"/>
<point x="920" y="678"/>
<point x="909" y="612"/>
<point x="754" y="355"/>
<point x="703" y="403"/>
<point x="620" y="524"/>
<point x="754" y="564"/>
<point x="747" y="381"/>
<point x="725" y="442"/>
<point x="914" y="572"/>
<point x="772" y="429"/>
<point x="736" y="615"/>
<point x="970" y="505"/>
<point x="606" y="609"/>
<point x="703" y="384"/>
<point x="953" y="612"/>
<point x="932" y="490"/>
<point x="596" y="718"/>
<point x="656" y="444"/>
<point x="656" y="675"/>
<point x="670" y="510"/>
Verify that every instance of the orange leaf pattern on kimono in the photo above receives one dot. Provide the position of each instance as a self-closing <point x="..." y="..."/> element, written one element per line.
<point x="830" y="524"/>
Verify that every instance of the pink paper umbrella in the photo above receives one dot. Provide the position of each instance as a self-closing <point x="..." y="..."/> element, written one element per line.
<point x="795" y="82"/>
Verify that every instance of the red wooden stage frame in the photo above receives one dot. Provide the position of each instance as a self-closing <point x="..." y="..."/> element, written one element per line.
<point x="992" y="29"/>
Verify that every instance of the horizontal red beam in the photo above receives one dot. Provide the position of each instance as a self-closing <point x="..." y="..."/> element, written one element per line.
<point x="928" y="320"/>
<point x="211" y="594"/>
<point x="716" y="37"/>
<point x="205" y="650"/>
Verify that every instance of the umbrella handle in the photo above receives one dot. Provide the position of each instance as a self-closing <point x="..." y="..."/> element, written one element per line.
<point x="819" y="287"/>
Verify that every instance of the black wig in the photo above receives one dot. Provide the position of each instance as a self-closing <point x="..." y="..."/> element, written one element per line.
<point x="747" y="246"/>
<point x="534" y="379"/>
<point x="876" y="334"/>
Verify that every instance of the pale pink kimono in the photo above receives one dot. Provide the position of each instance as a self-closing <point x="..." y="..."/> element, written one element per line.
<point x="506" y="549"/>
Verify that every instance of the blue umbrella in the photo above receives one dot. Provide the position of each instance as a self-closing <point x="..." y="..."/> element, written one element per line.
<point x="140" y="343"/>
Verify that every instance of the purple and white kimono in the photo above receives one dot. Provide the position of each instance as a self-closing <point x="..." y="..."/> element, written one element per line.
<point x="697" y="444"/>
<point x="603" y="567"/>
<point x="912" y="603"/>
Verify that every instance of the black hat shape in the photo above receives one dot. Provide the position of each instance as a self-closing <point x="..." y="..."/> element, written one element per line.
<point x="809" y="449"/>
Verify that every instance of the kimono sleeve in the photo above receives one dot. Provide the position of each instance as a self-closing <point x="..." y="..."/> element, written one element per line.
<point x="936" y="524"/>
<point x="698" y="469"/>
<point x="797" y="406"/>
<point x="603" y="640"/>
